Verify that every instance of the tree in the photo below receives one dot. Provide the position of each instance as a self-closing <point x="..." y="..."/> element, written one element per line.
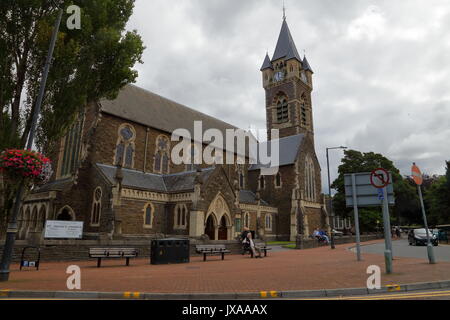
<point x="437" y="199"/>
<point x="88" y="64"/>
<point x="407" y="206"/>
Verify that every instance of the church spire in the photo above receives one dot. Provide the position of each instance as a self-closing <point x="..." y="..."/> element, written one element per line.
<point x="267" y="64"/>
<point x="285" y="46"/>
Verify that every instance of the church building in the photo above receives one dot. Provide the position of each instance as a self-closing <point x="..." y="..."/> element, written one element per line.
<point x="113" y="168"/>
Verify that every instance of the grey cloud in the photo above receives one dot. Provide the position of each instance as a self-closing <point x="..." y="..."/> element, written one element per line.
<point x="381" y="68"/>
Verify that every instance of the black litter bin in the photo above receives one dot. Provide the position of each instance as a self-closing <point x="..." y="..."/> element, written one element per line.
<point x="170" y="250"/>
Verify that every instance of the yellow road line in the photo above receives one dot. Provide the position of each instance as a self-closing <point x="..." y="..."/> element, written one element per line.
<point x="391" y="296"/>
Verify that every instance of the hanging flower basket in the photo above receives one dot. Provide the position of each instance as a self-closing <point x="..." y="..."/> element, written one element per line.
<point x="16" y="164"/>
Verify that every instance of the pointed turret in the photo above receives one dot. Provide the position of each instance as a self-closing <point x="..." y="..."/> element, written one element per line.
<point x="306" y="65"/>
<point x="285" y="46"/>
<point x="267" y="64"/>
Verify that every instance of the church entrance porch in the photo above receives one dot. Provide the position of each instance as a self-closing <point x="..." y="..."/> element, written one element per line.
<point x="210" y="229"/>
<point x="223" y="230"/>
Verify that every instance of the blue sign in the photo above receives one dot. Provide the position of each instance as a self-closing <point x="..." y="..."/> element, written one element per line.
<point x="380" y="194"/>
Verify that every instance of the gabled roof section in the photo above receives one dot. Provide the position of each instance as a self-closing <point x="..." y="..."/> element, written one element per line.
<point x="267" y="64"/>
<point x="168" y="183"/>
<point x="306" y="65"/>
<point x="289" y="148"/>
<point x="152" y="110"/>
<point x="285" y="46"/>
<point x="247" y="196"/>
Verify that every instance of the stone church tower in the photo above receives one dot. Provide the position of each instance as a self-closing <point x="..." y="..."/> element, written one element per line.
<point x="287" y="80"/>
<point x="296" y="189"/>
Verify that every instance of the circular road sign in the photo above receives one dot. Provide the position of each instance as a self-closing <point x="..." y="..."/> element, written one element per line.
<point x="416" y="174"/>
<point x="379" y="178"/>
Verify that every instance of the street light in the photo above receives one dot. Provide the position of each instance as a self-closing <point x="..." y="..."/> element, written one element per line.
<point x="330" y="199"/>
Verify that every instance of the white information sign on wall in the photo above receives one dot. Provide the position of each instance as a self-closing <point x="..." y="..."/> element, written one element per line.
<point x="63" y="229"/>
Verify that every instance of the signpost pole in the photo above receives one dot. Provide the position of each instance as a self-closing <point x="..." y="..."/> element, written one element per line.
<point x="387" y="233"/>
<point x="430" y="250"/>
<point x="355" y="210"/>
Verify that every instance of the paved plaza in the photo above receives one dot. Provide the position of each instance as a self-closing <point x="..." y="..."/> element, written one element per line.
<point x="320" y="268"/>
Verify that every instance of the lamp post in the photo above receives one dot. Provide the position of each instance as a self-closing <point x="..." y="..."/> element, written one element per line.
<point x="331" y="217"/>
<point x="12" y="223"/>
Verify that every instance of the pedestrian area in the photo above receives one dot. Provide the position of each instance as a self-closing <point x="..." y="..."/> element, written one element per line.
<point x="320" y="268"/>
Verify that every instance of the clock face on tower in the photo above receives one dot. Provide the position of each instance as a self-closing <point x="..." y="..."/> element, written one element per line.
<point x="279" y="76"/>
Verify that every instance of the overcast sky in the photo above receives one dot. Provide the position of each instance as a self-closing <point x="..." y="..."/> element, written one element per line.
<point x="382" y="68"/>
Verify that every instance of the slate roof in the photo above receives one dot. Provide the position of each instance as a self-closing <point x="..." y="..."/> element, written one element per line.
<point x="247" y="196"/>
<point x="285" y="46"/>
<point x="58" y="185"/>
<point x="150" y="109"/>
<point x="289" y="148"/>
<point x="266" y="64"/>
<point x="306" y="65"/>
<point x="176" y="182"/>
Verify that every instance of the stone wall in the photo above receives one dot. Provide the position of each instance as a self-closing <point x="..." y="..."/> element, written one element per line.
<point x="76" y="250"/>
<point x="312" y="243"/>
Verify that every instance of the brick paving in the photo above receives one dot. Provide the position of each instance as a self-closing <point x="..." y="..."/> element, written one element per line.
<point x="320" y="268"/>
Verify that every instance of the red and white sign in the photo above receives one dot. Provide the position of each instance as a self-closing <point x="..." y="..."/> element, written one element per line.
<point x="416" y="175"/>
<point x="379" y="178"/>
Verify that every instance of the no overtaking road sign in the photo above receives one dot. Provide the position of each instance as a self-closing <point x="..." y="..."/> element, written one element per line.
<point x="379" y="178"/>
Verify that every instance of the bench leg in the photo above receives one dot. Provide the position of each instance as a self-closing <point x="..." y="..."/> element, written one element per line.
<point x="223" y="255"/>
<point x="265" y="253"/>
<point x="99" y="262"/>
<point x="128" y="261"/>
<point x="251" y="253"/>
<point x="204" y="257"/>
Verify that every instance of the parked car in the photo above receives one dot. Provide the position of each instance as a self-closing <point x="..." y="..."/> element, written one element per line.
<point x="337" y="233"/>
<point x="419" y="237"/>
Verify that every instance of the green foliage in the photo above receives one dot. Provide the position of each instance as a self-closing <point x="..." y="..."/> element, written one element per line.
<point x="437" y="199"/>
<point x="370" y="219"/>
<point x="407" y="206"/>
<point x="88" y="64"/>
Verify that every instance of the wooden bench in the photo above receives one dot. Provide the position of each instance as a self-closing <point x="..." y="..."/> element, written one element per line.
<point x="261" y="247"/>
<point x="211" y="250"/>
<point x="100" y="253"/>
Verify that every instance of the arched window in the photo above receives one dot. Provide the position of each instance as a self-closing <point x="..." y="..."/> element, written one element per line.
<point x="148" y="215"/>
<point x="310" y="185"/>
<point x="261" y="182"/>
<point x="241" y="176"/>
<point x="96" y="206"/>
<point x="278" y="180"/>
<point x="162" y="159"/>
<point x="268" y="222"/>
<point x="247" y="219"/>
<point x="72" y="145"/>
<point x="180" y="221"/>
<point x="125" y="146"/>
<point x="282" y="110"/>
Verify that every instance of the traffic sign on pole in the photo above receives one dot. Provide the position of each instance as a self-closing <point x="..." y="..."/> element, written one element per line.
<point x="416" y="175"/>
<point x="379" y="178"/>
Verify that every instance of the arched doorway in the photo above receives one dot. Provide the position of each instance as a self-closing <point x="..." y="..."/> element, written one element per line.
<point x="65" y="215"/>
<point x="210" y="229"/>
<point x="223" y="231"/>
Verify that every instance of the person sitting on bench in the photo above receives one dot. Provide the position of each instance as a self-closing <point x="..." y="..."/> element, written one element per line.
<point x="253" y="247"/>
<point x="245" y="241"/>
